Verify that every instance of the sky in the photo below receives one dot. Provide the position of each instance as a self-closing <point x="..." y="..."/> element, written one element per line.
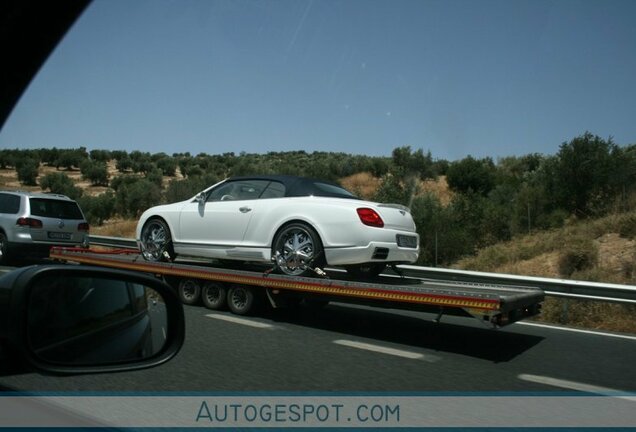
<point x="486" y="78"/>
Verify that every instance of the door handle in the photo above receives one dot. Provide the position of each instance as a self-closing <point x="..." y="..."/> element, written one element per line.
<point x="245" y="209"/>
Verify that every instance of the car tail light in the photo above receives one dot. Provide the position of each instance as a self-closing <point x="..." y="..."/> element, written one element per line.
<point x="370" y="217"/>
<point x="83" y="227"/>
<point x="29" y="222"/>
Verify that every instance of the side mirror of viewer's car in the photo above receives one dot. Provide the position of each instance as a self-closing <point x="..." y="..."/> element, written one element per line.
<point x="73" y="319"/>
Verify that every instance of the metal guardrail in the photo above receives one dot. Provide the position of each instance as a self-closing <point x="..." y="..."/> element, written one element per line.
<point x="116" y="242"/>
<point x="564" y="288"/>
<point x="580" y="290"/>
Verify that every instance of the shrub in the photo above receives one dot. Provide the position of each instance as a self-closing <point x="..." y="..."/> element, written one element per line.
<point x="101" y="155"/>
<point x="99" y="208"/>
<point x="627" y="227"/>
<point x="60" y="183"/>
<point x="27" y="170"/>
<point x="95" y="172"/>
<point x="71" y="158"/>
<point x="578" y="255"/>
<point x="124" y="164"/>
<point x="180" y="190"/>
<point x="155" y="176"/>
<point x="132" y="198"/>
<point x="168" y="165"/>
<point x="471" y="175"/>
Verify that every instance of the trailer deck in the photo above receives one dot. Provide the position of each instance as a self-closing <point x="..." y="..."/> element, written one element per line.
<point x="495" y="305"/>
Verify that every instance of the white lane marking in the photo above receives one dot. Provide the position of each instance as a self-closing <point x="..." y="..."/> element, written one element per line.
<point x="592" y="332"/>
<point x="386" y="350"/>
<point x="237" y="320"/>
<point x="573" y="385"/>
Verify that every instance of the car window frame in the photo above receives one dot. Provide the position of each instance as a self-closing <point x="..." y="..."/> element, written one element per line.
<point x="261" y="185"/>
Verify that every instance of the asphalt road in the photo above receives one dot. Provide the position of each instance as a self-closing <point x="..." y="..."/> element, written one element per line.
<point x="349" y="348"/>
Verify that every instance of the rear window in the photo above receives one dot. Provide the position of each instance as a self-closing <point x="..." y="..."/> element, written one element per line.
<point x="55" y="208"/>
<point x="330" y="190"/>
<point x="309" y="187"/>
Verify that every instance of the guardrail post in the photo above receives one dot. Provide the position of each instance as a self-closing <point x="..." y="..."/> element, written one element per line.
<point x="565" y="311"/>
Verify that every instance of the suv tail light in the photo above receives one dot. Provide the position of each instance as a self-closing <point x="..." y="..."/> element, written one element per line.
<point x="370" y="217"/>
<point x="29" y="222"/>
<point x="83" y="227"/>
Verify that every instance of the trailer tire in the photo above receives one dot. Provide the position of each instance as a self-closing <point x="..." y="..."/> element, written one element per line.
<point x="189" y="291"/>
<point x="214" y="295"/>
<point x="241" y="300"/>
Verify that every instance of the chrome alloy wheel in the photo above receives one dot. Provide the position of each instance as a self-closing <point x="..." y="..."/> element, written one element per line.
<point x="154" y="240"/>
<point x="295" y="248"/>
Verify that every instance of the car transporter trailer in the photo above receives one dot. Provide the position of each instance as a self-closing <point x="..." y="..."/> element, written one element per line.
<point x="242" y="290"/>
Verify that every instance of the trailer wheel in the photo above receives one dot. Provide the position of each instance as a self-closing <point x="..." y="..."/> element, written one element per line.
<point x="189" y="291"/>
<point x="214" y="295"/>
<point x="241" y="299"/>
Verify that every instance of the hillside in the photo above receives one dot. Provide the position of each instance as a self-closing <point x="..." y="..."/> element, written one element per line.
<point x="9" y="180"/>
<point x="602" y="250"/>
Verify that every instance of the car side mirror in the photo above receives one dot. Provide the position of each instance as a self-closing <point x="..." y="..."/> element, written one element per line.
<point x="200" y="198"/>
<point x="75" y="319"/>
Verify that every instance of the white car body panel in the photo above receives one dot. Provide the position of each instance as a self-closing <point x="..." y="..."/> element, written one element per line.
<point x="245" y="229"/>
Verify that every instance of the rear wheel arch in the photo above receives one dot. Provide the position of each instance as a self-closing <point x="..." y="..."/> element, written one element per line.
<point x="285" y="224"/>
<point x="160" y="218"/>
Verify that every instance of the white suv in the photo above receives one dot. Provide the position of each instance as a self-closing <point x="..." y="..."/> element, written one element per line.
<point x="30" y="223"/>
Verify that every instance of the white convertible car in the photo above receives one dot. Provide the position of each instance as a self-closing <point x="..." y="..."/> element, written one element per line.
<point x="298" y="223"/>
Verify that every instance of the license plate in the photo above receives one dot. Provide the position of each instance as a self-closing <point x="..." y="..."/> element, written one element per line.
<point x="59" y="235"/>
<point x="406" y="241"/>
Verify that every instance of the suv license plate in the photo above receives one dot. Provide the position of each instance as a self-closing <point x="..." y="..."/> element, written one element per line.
<point x="406" y="241"/>
<point x="59" y="235"/>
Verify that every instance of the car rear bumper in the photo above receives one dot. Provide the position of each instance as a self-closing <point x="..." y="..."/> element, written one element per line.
<point x="373" y="252"/>
<point x="24" y="241"/>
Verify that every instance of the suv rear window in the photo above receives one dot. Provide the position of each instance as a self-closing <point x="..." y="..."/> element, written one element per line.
<point x="55" y="208"/>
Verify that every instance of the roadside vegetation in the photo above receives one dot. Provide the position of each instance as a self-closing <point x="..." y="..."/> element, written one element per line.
<point x="600" y="250"/>
<point x="571" y="214"/>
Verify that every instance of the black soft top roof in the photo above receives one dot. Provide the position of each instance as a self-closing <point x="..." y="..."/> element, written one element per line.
<point x="296" y="186"/>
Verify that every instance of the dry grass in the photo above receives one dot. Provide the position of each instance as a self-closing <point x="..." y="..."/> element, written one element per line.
<point x="366" y="185"/>
<point x="116" y="228"/>
<point x="539" y="255"/>
<point x="589" y="315"/>
<point x="439" y="188"/>
<point x="362" y="184"/>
